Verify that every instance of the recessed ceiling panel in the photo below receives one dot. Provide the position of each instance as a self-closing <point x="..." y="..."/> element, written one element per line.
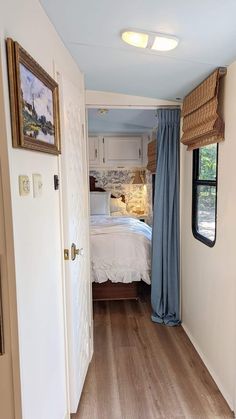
<point x="130" y="121"/>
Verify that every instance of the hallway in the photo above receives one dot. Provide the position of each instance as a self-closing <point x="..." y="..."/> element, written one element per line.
<point x="141" y="370"/>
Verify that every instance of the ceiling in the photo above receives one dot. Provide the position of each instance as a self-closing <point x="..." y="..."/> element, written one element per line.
<point x="129" y="121"/>
<point x="91" y="31"/>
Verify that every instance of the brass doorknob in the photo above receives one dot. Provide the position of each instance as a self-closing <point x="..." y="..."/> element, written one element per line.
<point x="76" y="252"/>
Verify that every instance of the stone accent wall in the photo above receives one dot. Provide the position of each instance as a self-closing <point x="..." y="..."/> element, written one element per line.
<point x="120" y="181"/>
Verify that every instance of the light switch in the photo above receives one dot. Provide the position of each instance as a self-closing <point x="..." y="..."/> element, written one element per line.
<point x="38" y="185"/>
<point x="24" y="185"/>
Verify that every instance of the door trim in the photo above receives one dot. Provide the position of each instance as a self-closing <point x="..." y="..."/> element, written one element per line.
<point x="58" y="78"/>
<point x="9" y="258"/>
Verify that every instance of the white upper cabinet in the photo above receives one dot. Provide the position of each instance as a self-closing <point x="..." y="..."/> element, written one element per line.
<point x="94" y="151"/>
<point x="114" y="151"/>
<point x="123" y="151"/>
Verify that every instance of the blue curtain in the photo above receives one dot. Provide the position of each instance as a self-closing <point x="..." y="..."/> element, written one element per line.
<point x="165" y="241"/>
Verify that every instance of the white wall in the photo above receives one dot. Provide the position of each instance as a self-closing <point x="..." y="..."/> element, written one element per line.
<point x="209" y="274"/>
<point x="37" y="230"/>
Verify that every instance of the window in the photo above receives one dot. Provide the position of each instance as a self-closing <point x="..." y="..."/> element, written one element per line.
<point x="205" y="161"/>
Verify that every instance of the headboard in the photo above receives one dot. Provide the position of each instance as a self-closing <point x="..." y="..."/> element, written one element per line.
<point x="94" y="188"/>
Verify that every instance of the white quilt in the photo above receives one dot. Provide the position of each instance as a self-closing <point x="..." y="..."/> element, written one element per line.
<point x="120" y="249"/>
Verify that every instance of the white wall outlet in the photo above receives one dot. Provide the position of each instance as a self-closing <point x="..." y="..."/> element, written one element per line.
<point x="24" y="185"/>
<point x="38" y="185"/>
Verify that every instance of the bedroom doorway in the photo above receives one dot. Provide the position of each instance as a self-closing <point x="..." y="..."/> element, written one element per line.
<point x="118" y="159"/>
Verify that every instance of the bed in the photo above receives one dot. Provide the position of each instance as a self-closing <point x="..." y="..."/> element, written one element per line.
<point x="120" y="251"/>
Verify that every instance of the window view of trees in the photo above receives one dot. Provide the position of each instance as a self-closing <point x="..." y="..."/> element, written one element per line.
<point x="206" y="211"/>
<point x="204" y="193"/>
<point x="207" y="162"/>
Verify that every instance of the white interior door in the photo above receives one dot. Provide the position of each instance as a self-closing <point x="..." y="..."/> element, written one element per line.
<point x="76" y="230"/>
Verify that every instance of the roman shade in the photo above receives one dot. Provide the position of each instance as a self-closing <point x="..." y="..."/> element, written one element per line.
<point x="152" y="156"/>
<point x="202" y="123"/>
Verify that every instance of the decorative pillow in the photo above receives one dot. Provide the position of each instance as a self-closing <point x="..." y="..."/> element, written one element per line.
<point x="100" y="203"/>
<point x="116" y="204"/>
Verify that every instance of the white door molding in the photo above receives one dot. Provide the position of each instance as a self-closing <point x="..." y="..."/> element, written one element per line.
<point x="8" y="262"/>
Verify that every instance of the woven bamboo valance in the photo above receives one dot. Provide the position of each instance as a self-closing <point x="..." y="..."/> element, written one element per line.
<point x="202" y="123"/>
<point x="152" y="156"/>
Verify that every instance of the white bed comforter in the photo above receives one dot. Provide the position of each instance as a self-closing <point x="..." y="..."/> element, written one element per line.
<point x="120" y="249"/>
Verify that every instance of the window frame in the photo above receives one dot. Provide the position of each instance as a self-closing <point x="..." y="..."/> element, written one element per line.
<point x="195" y="183"/>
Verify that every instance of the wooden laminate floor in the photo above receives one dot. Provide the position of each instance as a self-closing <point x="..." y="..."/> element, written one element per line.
<point x="142" y="370"/>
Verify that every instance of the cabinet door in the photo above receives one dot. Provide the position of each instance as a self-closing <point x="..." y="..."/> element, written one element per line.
<point x="94" y="152"/>
<point x="123" y="151"/>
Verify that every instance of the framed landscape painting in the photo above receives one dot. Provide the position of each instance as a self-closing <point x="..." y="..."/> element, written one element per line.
<point x="34" y="103"/>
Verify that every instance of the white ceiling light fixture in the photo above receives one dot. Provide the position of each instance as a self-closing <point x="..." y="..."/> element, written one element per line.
<point x="136" y="39"/>
<point x="164" y="43"/>
<point x="102" y="111"/>
<point x="150" y="40"/>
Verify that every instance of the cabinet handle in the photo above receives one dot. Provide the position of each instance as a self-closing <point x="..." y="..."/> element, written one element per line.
<point x="139" y="152"/>
<point x="96" y="153"/>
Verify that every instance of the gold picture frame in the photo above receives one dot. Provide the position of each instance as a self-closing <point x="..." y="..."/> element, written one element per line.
<point x="34" y="101"/>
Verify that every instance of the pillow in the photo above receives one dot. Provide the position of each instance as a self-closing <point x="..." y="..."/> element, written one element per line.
<point x="100" y="203"/>
<point x="116" y="204"/>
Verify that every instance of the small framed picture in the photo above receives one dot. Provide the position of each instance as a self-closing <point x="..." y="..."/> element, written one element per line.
<point x="34" y="103"/>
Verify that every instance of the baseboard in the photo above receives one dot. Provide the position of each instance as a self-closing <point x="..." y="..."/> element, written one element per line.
<point x="210" y="369"/>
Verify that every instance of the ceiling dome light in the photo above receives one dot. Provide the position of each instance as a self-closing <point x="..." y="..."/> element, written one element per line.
<point x="150" y="40"/>
<point x="102" y="111"/>
<point x="163" y="43"/>
<point x="137" y="39"/>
